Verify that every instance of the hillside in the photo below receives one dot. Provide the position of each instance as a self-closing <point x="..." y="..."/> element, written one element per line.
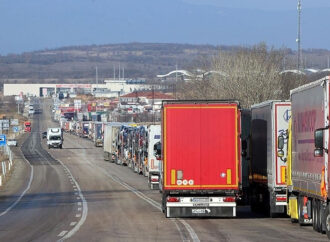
<point x="140" y="60"/>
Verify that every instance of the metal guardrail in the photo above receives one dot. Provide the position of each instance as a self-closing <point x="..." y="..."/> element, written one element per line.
<point x="5" y="166"/>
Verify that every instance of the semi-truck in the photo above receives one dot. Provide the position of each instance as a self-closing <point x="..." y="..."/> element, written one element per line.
<point x="110" y="147"/>
<point x="308" y="172"/>
<point x="201" y="153"/>
<point x="98" y="134"/>
<point x="154" y="135"/>
<point x="268" y="170"/>
<point x="27" y="126"/>
<point x="54" y="138"/>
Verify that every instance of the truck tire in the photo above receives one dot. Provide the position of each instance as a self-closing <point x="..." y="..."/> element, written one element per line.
<point x="60" y="146"/>
<point x="164" y="203"/>
<point x="48" y="146"/>
<point x="300" y="211"/>
<point x="326" y="220"/>
<point x="316" y="215"/>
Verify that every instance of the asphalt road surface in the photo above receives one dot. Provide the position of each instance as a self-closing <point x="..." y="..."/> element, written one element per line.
<point x="73" y="194"/>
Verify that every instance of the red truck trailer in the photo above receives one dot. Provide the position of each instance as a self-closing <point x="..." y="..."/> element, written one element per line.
<point x="201" y="158"/>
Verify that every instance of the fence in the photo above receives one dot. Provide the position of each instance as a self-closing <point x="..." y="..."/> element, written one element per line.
<point x="6" y="163"/>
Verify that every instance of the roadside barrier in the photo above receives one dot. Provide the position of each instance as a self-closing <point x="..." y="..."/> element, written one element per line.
<point x="7" y="164"/>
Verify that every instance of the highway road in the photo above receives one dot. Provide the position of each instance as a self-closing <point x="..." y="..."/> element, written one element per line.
<point x="73" y="194"/>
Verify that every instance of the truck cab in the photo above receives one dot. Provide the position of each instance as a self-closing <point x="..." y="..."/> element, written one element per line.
<point x="54" y="138"/>
<point x="27" y="126"/>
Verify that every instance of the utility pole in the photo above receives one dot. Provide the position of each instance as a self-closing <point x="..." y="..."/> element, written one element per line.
<point x="96" y="77"/>
<point x="119" y="71"/>
<point x="328" y="62"/>
<point x="299" y="54"/>
<point x="176" y="72"/>
<point x="114" y="72"/>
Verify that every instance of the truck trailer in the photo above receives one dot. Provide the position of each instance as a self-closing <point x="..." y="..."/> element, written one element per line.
<point x="308" y="173"/>
<point x="269" y="120"/>
<point x="201" y="153"/>
<point x="110" y="146"/>
<point x="154" y="135"/>
<point x="98" y="134"/>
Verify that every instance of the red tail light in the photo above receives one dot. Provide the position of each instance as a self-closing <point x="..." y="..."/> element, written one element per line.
<point x="173" y="199"/>
<point x="281" y="199"/>
<point x="158" y="158"/>
<point x="154" y="179"/>
<point x="229" y="199"/>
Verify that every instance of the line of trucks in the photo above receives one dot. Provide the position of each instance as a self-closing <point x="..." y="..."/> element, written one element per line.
<point x="207" y="157"/>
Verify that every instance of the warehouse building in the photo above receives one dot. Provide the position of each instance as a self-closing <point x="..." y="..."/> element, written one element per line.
<point x="114" y="88"/>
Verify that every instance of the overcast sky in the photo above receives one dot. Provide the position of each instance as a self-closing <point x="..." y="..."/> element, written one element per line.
<point x="38" y="24"/>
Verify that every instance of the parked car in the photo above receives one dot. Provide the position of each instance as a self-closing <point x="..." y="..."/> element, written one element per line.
<point x="44" y="135"/>
<point x="12" y="142"/>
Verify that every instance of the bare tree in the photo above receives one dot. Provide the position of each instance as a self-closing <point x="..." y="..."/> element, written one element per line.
<point x="251" y="75"/>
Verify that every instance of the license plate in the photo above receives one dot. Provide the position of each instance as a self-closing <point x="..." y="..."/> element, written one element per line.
<point x="200" y="204"/>
<point x="200" y="200"/>
<point x="201" y="211"/>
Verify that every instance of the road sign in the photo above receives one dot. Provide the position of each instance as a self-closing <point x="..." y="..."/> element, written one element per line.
<point x="2" y="140"/>
<point x="5" y="124"/>
<point x="14" y="122"/>
<point x="15" y="129"/>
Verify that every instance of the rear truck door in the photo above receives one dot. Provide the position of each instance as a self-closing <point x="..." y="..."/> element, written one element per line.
<point x="281" y="123"/>
<point x="219" y="146"/>
<point x="201" y="146"/>
<point x="182" y="146"/>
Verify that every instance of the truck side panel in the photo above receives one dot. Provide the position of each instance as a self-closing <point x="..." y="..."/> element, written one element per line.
<point x="281" y="122"/>
<point x="308" y="115"/>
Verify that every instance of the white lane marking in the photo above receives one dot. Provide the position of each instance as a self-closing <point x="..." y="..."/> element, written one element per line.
<point x="76" y="193"/>
<point x="178" y="228"/>
<point x="62" y="233"/>
<point x="190" y="230"/>
<point x="26" y="189"/>
<point x="74" y="189"/>
<point x="85" y="207"/>
<point x="78" y="215"/>
<point x="78" y="198"/>
<point x="79" y="203"/>
<point x="155" y="204"/>
<point x="79" y="209"/>
<point x="73" y="224"/>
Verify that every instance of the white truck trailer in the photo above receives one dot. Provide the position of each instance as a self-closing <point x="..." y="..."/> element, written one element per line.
<point x="154" y="135"/>
<point x="269" y="120"/>
<point x="111" y="132"/>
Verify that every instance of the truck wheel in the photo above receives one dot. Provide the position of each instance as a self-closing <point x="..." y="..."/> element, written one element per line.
<point x="164" y="203"/>
<point x="316" y="215"/>
<point x="327" y="221"/>
<point x="300" y="211"/>
<point x="48" y="146"/>
<point x="60" y="146"/>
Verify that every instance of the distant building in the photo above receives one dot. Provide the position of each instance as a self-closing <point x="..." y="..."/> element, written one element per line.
<point x="147" y="97"/>
<point x="110" y="88"/>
